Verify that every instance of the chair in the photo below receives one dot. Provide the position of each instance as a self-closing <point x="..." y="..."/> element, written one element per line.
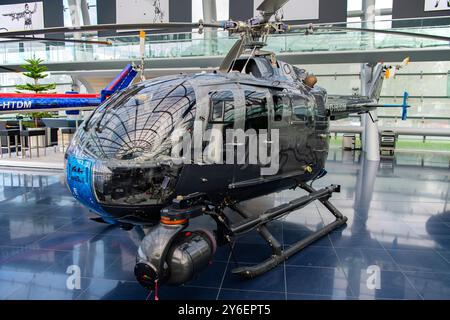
<point x="66" y="131"/>
<point x="8" y="134"/>
<point x="27" y="135"/>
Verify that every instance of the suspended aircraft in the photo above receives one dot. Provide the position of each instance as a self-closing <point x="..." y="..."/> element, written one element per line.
<point x="31" y="102"/>
<point x="164" y="152"/>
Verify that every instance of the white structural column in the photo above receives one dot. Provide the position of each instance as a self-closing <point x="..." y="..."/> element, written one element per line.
<point x="85" y="12"/>
<point x="210" y="15"/>
<point x="370" y="138"/>
<point x="209" y="10"/>
<point x="79" y="14"/>
<point x="74" y="9"/>
<point x="368" y="18"/>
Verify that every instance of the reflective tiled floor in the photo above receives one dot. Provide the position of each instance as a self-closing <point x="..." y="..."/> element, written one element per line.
<point x="398" y="228"/>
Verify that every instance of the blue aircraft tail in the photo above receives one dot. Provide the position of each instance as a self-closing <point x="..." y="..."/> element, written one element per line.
<point x="122" y="81"/>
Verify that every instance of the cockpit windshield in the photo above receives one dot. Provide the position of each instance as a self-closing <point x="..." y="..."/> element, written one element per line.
<point x="138" y="122"/>
<point x="129" y="138"/>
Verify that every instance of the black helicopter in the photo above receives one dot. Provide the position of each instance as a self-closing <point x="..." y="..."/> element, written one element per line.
<point x="165" y="151"/>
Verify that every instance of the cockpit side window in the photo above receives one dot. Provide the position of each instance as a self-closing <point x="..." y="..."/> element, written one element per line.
<point x="299" y="109"/>
<point x="256" y="110"/>
<point x="282" y="105"/>
<point x="302" y="111"/>
<point x="222" y="107"/>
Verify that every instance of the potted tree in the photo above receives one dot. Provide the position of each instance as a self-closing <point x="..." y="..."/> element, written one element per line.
<point x="35" y="71"/>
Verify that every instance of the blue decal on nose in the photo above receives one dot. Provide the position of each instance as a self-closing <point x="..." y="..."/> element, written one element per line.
<point x="79" y="180"/>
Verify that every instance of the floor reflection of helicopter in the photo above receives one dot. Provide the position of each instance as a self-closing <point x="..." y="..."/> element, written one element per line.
<point x="129" y="163"/>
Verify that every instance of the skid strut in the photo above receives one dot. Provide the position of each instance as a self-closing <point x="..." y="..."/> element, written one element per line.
<point x="278" y="254"/>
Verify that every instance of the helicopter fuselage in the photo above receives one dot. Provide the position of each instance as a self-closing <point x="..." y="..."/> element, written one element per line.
<point x="165" y="151"/>
<point x="121" y="162"/>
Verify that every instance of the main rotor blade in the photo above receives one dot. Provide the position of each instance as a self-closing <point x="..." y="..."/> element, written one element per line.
<point x="394" y="32"/>
<point x="41" y="39"/>
<point x="9" y="69"/>
<point x="232" y="55"/>
<point x="107" y="27"/>
<point x="271" y="6"/>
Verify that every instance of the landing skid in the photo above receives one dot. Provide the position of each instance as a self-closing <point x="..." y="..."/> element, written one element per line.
<point x="278" y="254"/>
<point x="170" y="253"/>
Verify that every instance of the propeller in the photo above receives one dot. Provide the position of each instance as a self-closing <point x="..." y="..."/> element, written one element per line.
<point x="108" y="27"/>
<point x="9" y="69"/>
<point x="310" y="28"/>
<point x="254" y="32"/>
<point x="18" y="36"/>
<point x="41" y="39"/>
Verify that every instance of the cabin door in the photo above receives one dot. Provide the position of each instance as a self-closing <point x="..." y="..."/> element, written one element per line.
<point x="281" y="123"/>
<point x="220" y="109"/>
<point x="254" y="124"/>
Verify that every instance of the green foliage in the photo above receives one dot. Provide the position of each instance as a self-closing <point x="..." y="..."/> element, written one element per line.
<point x="39" y="115"/>
<point x="37" y="88"/>
<point x="29" y="124"/>
<point x="35" y="116"/>
<point x="44" y="115"/>
<point x="35" y="71"/>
